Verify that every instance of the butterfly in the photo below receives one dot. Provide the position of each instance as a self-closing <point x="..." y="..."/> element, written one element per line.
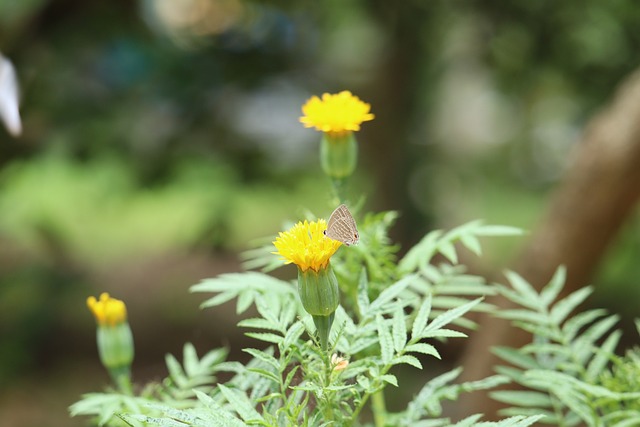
<point x="342" y="227"/>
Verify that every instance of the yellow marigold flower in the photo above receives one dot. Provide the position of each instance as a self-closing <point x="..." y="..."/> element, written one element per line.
<point x="107" y="311"/>
<point x="306" y="245"/>
<point x="335" y="114"/>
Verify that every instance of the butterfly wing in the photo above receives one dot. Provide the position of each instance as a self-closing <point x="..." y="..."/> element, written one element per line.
<point x="342" y="226"/>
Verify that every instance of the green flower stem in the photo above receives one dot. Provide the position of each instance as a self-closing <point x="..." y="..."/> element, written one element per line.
<point x="339" y="189"/>
<point x="379" y="408"/>
<point x="323" y="327"/>
<point x="122" y="378"/>
<point x="327" y="411"/>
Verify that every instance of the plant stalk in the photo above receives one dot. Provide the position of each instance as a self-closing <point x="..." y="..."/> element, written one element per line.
<point x="379" y="408"/>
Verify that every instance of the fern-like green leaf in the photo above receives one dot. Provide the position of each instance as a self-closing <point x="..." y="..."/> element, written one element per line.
<point x="241" y="404"/>
<point x="363" y="293"/>
<point x="552" y="290"/>
<point x="421" y="319"/>
<point x="390" y="294"/>
<point x="407" y="359"/>
<point x="523" y="398"/>
<point x="564" y="307"/>
<point x="422" y="348"/>
<point x="399" y="329"/>
<point x="386" y="341"/>
<point x="448" y="317"/>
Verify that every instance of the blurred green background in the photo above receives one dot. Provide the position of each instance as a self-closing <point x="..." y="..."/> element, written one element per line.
<point x="161" y="138"/>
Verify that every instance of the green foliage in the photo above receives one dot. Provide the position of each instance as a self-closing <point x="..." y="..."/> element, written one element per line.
<point x="392" y="314"/>
<point x="570" y="369"/>
<point x="183" y="383"/>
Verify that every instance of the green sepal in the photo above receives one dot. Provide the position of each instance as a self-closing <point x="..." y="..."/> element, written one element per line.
<point x="115" y="347"/>
<point x="319" y="291"/>
<point x="338" y="155"/>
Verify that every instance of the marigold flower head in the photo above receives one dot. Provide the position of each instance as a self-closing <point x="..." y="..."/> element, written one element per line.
<point x="306" y="245"/>
<point x="335" y="114"/>
<point x="107" y="311"/>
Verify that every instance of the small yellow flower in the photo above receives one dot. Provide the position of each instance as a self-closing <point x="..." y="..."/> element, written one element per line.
<point x="107" y="311"/>
<point x="335" y="114"/>
<point x="306" y="245"/>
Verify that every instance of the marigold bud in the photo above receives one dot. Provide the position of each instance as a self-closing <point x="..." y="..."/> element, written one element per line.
<point x="319" y="291"/>
<point x="338" y="155"/>
<point x="114" y="338"/>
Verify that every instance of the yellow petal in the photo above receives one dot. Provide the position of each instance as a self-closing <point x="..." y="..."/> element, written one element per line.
<point x="335" y="113"/>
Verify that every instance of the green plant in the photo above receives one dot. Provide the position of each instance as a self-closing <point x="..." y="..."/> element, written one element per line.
<point x="291" y="380"/>
<point x="570" y="368"/>
<point x="329" y="345"/>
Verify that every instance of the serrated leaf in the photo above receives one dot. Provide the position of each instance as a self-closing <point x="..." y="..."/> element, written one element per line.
<point x="468" y="422"/>
<point x="573" y="325"/>
<point x="564" y="307"/>
<point x="264" y="357"/>
<point x="407" y="359"/>
<point x="520" y="285"/>
<point x="603" y="356"/>
<point x="390" y="378"/>
<point x="390" y="293"/>
<point x="217" y="412"/>
<point x="559" y="381"/>
<point x="448" y="251"/>
<point x="420" y="253"/>
<point x="448" y="316"/>
<point x="498" y="230"/>
<point x="485" y="383"/>
<point x="265" y="336"/>
<point x="265" y="374"/>
<point x="363" y="293"/>
<point x="399" y="329"/>
<point x="519" y="299"/>
<point x="190" y="360"/>
<point x="531" y="399"/>
<point x="293" y="334"/>
<point x="229" y="285"/>
<point x="157" y="421"/>
<point x="444" y="333"/>
<point x="258" y="323"/>
<point x="551" y="291"/>
<point x="445" y="378"/>
<point x="573" y="401"/>
<point x="599" y="329"/>
<point x="515" y="357"/>
<point x="423" y="348"/>
<point x="175" y="371"/>
<point x="472" y="243"/>
<point x="385" y="340"/>
<point x="364" y="382"/>
<point x="245" y="299"/>
<point x="219" y="299"/>
<point x="240" y="403"/>
<point x="527" y="316"/>
<point x="291" y="375"/>
<point x="420" y="321"/>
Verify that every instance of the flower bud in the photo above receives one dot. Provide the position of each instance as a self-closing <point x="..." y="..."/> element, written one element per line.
<point x="114" y="338"/>
<point x="338" y="155"/>
<point x="320" y="297"/>
<point x="319" y="291"/>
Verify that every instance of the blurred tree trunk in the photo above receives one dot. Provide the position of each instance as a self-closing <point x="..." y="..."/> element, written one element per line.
<point x="599" y="191"/>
